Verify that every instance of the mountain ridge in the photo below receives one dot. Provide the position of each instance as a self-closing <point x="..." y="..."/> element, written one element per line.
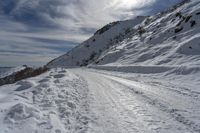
<point x="101" y="39"/>
<point x="169" y="38"/>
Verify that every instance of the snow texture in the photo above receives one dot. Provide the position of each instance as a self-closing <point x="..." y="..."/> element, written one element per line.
<point x="140" y="76"/>
<point x="93" y="101"/>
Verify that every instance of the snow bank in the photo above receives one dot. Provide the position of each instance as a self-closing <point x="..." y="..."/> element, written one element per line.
<point x="135" y="69"/>
<point x="54" y="102"/>
<point x="167" y="70"/>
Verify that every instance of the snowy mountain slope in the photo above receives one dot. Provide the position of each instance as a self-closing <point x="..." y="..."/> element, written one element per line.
<point x="88" y="51"/>
<point x="167" y="39"/>
<point x="161" y="42"/>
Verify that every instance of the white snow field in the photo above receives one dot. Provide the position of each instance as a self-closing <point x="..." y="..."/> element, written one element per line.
<point x="96" y="101"/>
<point x="135" y="76"/>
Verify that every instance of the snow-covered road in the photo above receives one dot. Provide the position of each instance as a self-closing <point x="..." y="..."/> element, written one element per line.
<point x="123" y="105"/>
<point x="92" y="101"/>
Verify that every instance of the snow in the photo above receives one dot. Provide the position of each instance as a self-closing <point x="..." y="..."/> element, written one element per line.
<point x="140" y="75"/>
<point x="48" y="103"/>
<point x="93" y="101"/>
<point x="82" y="54"/>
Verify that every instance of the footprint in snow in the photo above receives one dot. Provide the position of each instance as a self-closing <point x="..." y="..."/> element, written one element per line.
<point x="71" y="105"/>
<point x="59" y="76"/>
<point x="56" y="81"/>
<point x="63" y="71"/>
<point x="44" y="80"/>
<point x="57" y="131"/>
<point x="24" y="85"/>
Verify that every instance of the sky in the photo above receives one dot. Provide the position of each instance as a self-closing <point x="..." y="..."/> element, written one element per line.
<point x="33" y="32"/>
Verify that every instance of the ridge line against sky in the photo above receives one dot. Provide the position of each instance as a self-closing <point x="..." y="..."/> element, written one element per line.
<point x="35" y="31"/>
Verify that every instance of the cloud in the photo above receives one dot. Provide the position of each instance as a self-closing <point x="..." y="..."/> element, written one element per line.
<point x="48" y="28"/>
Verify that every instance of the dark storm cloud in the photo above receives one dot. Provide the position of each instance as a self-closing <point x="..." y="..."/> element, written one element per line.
<point x="33" y="12"/>
<point x="46" y="13"/>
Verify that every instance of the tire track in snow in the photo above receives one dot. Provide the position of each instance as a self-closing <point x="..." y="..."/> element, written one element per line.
<point x="161" y="104"/>
<point x="150" y="113"/>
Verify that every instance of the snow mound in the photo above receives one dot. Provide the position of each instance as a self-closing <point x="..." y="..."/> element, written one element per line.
<point x="59" y="76"/>
<point x="20" y="112"/>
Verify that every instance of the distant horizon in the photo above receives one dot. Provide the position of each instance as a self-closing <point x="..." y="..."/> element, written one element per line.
<point x="35" y="32"/>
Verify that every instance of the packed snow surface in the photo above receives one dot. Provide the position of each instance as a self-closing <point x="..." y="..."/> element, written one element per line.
<point x="94" y="101"/>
